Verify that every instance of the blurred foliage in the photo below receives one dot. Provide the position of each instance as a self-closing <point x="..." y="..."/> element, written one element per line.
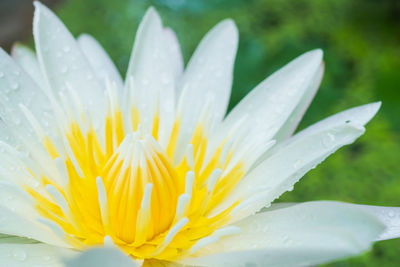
<point x="361" y="41"/>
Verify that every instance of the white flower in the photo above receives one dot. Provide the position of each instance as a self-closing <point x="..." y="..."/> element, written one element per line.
<point x="151" y="167"/>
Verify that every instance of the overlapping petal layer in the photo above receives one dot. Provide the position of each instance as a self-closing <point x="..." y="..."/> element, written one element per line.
<point x="151" y="166"/>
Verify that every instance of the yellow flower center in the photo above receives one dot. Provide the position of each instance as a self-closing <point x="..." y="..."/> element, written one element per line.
<point x="124" y="187"/>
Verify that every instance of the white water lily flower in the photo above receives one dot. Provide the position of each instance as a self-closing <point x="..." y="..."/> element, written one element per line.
<point x="151" y="169"/>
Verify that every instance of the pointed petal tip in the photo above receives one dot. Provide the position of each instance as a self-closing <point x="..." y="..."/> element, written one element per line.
<point x="39" y="10"/>
<point x="152" y="13"/>
<point x="38" y="6"/>
<point x="229" y="25"/>
<point x="318" y="51"/>
<point x="151" y="17"/>
<point x="315" y="54"/>
<point x="376" y="106"/>
<point x="370" y="111"/>
<point x="151" y="9"/>
<point x="85" y="37"/>
<point x="15" y="47"/>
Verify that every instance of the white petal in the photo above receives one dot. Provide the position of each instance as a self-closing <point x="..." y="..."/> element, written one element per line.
<point x="99" y="60"/>
<point x="297" y="235"/>
<point x="174" y="51"/>
<point x="63" y="63"/>
<point x="15" y="199"/>
<point x="26" y="58"/>
<point x="207" y="79"/>
<point x="153" y="75"/>
<point x="19" y="216"/>
<point x="294" y="119"/>
<point x="390" y="216"/>
<point x="288" y="162"/>
<point x="278" y="101"/>
<point x="28" y="255"/>
<point x="27" y="226"/>
<point x="18" y="88"/>
<point x="102" y="257"/>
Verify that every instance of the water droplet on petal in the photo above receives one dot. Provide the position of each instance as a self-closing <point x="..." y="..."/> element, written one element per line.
<point x="328" y="140"/>
<point x="19" y="254"/>
<point x="298" y="163"/>
<point x="14" y="86"/>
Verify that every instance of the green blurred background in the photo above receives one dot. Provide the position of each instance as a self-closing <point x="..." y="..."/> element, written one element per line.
<point x="361" y="41"/>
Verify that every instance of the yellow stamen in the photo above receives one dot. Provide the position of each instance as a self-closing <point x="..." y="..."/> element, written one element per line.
<point x="126" y="187"/>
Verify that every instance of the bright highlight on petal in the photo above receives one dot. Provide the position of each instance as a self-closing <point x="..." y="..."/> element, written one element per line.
<point x="150" y="166"/>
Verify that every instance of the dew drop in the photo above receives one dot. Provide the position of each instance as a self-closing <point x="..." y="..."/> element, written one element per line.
<point x="66" y="49"/>
<point x="14" y="86"/>
<point x="19" y="254"/>
<point x="1" y="74"/>
<point x="285" y="239"/>
<point x="328" y="140"/>
<point x="391" y="214"/>
<point x="297" y="164"/>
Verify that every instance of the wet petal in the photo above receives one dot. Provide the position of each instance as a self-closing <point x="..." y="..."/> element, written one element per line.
<point x="150" y="77"/>
<point x="295" y="235"/>
<point x="278" y="102"/>
<point x="63" y="63"/>
<point x="28" y="255"/>
<point x="288" y="162"/>
<point x="207" y="80"/>
<point x="99" y="60"/>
